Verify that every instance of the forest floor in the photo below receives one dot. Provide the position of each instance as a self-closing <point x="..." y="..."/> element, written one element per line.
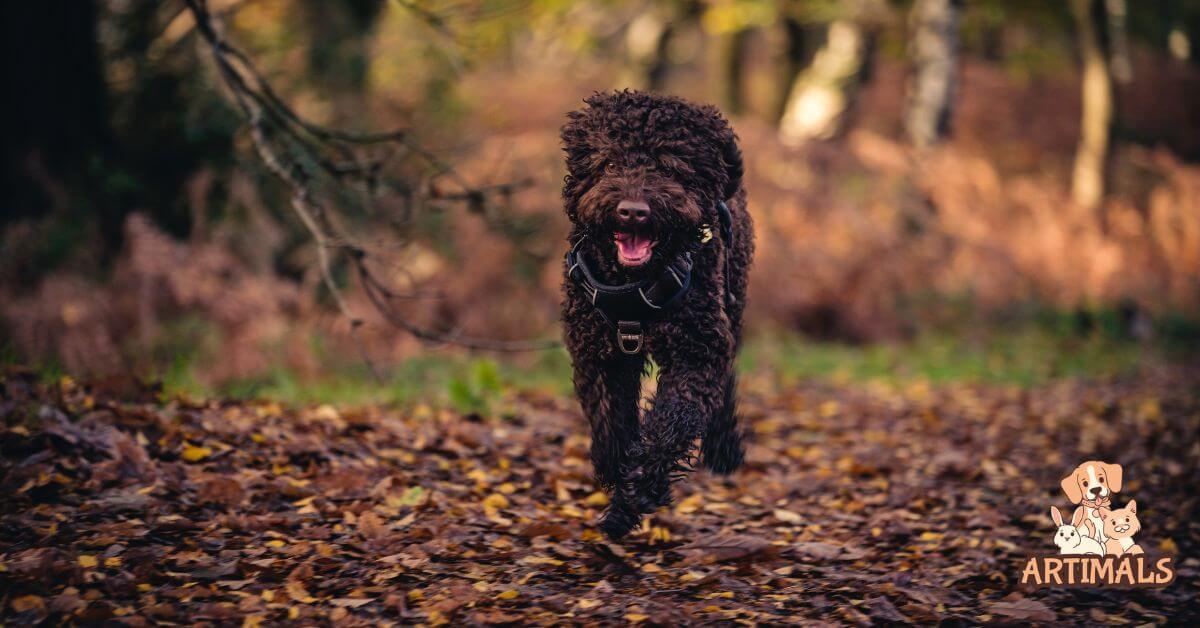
<point x="859" y="504"/>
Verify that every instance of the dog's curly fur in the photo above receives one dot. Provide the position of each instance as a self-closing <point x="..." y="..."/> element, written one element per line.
<point x="680" y="159"/>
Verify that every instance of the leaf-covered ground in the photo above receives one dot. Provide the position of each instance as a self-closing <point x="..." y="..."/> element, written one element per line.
<point x="859" y="504"/>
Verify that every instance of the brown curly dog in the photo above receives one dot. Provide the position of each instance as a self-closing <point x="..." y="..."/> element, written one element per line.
<point x="661" y="243"/>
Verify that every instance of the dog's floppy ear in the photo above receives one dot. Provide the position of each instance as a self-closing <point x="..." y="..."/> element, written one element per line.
<point x="1056" y="516"/>
<point x="1071" y="488"/>
<point x="732" y="156"/>
<point x="1113" y="472"/>
<point x="1132" y="506"/>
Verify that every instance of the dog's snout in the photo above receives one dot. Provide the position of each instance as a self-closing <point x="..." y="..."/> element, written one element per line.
<point x="633" y="211"/>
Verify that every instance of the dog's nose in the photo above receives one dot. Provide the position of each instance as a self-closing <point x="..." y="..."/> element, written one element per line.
<point x="633" y="211"/>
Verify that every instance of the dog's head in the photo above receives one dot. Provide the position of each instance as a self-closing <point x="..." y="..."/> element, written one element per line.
<point x="1091" y="480"/>
<point x="644" y="172"/>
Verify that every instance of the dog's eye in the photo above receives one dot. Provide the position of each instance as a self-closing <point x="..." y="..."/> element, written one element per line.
<point x="1085" y="482"/>
<point x="1102" y="480"/>
<point x="610" y="167"/>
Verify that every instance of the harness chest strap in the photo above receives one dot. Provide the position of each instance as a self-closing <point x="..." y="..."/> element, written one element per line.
<point x="628" y="306"/>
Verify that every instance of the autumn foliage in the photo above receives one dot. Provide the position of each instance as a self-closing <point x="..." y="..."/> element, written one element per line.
<point x="856" y="505"/>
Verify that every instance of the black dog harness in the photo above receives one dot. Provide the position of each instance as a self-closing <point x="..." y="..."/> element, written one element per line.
<point x="628" y="307"/>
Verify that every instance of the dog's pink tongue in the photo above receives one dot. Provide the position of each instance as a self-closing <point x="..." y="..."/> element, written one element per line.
<point x="633" y="245"/>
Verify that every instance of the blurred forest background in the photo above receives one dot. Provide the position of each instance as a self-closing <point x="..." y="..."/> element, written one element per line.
<point x="985" y="189"/>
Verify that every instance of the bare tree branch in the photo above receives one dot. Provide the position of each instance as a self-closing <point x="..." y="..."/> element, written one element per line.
<point x="260" y="104"/>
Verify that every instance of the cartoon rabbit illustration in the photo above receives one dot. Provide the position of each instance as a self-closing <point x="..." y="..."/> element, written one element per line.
<point x="1070" y="540"/>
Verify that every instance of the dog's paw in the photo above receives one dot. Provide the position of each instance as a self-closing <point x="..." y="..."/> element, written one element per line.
<point x="618" y="521"/>
<point x="723" y="454"/>
<point x="607" y="478"/>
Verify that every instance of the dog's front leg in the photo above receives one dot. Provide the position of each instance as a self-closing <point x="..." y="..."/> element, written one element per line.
<point x="691" y="389"/>
<point x="609" y="390"/>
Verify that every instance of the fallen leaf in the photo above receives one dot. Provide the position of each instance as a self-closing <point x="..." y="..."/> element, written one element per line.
<point x="726" y="547"/>
<point x="191" y="453"/>
<point x="28" y="603"/>
<point x="1018" y="606"/>
<point x="351" y="602"/>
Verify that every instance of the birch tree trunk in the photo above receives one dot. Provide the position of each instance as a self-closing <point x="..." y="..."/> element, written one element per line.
<point x="933" y="49"/>
<point x="797" y="43"/>
<point x="1087" y="182"/>
<point x="822" y="93"/>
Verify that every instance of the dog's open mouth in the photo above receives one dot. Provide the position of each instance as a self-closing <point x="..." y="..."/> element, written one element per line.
<point x="634" y="248"/>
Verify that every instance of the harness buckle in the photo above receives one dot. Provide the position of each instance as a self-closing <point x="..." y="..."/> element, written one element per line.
<point x="629" y="337"/>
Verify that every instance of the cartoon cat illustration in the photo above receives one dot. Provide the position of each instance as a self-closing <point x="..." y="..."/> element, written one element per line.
<point x="1119" y="527"/>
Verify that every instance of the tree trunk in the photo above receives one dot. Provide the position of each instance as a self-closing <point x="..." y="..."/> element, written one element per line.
<point x="647" y="43"/>
<point x="1087" y="184"/>
<point x="933" y="47"/>
<point x="797" y="49"/>
<point x="55" y="96"/>
<point x="338" y="57"/>
<point x="731" y="60"/>
<point x="822" y="94"/>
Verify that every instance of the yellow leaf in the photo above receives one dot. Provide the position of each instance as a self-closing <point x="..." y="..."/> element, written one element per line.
<point x="113" y="561"/>
<point x="931" y="536"/>
<point x="1169" y="546"/>
<point x="268" y="595"/>
<point x="507" y="488"/>
<point x="191" y="453"/>
<point x="652" y="568"/>
<point x="597" y="499"/>
<point x="787" y="516"/>
<point x="507" y="595"/>
<point x="540" y="560"/>
<point x="586" y="604"/>
<point x="479" y="475"/>
<point x="87" y="561"/>
<point x="27" y="603"/>
<point x="636" y="618"/>
<point x="297" y="592"/>
<point x="304" y="502"/>
<point x="495" y="501"/>
<point x="690" y="504"/>
<point x="275" y="543"/>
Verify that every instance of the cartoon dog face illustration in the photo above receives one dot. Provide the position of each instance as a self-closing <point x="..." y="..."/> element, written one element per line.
<point x="1091" y="480"/>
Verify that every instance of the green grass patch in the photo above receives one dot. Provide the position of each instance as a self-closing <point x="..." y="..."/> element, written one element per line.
<point x="1028" y="355"/>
